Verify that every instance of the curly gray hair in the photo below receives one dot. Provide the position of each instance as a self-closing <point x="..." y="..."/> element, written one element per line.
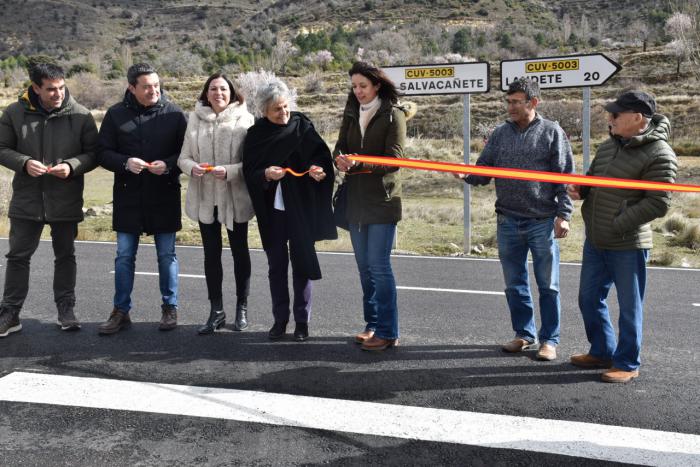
<point x="269" y="93"/>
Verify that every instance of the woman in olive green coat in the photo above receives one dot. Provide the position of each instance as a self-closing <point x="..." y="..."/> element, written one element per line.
<point x="373" y="124"/>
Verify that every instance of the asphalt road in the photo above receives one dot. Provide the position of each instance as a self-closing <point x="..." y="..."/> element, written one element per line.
<point x="449" y="358"/>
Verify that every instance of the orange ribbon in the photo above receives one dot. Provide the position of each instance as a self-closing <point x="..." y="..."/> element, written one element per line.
<point x="531" y="175"/>
<point x="297" y="174"/>
<point x="207" y="167"/>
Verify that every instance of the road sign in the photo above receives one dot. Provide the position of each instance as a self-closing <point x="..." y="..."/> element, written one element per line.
<point x="444" y="78"/>
<point x="570" y="71"/>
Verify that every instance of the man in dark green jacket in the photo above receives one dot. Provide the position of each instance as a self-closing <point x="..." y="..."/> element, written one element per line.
<point x="618" y="234"/>
<point x="49" y="141"/>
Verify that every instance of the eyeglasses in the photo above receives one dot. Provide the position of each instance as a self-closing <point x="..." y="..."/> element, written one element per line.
<point x="614" y="115"/>
<point x="515" y="101"/>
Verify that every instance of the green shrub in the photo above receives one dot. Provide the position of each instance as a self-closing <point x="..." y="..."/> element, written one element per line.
<point x="81" y="68"/>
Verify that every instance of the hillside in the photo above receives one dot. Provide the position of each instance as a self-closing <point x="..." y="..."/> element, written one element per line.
<point x="72" y="29"/>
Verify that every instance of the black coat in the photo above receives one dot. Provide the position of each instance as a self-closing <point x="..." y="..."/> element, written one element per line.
<point x="143" y="203"/>
<point x="307" y="203"/>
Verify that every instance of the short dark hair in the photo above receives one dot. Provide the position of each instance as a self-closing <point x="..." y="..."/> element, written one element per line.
<point x="41" y="71"/>
<point x="387" y="88"/>
<point x="235" y="95"/>
<point x="529" y="86"/>
<point x="136" y="70"/>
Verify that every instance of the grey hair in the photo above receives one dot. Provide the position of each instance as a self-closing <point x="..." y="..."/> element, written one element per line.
<point x="269" y="93"/>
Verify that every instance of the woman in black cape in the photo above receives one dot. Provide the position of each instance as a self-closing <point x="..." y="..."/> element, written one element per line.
<point x="289" y="173"/>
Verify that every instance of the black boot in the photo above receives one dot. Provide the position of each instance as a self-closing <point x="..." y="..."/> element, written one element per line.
<point x="217" y="318"/>
<point x="301" y="332"/>
<point x="241" y="314"/>
<point x="277" y="330"/>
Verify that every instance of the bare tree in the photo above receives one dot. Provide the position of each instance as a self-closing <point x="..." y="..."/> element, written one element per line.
<point x="683" y="30"/>
<point x="125" y="55"/>
<point x="566" y="27"/>
<point x="281" y="54"/>
<point x="639" y="30"/>
<point x="584" y="29"/>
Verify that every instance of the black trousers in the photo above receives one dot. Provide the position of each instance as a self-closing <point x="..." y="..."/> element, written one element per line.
<point x="24" y="240"/>
<point x="213" y="270"/>
<point x="279" y="252"/>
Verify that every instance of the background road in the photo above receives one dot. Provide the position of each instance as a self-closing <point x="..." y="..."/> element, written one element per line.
<point x="449" y="358"/>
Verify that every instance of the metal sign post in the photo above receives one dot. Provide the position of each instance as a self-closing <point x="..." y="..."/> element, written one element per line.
<point x="444" y="79"/>
<point x="586" y="129"/>
<point x="466" y="127"/>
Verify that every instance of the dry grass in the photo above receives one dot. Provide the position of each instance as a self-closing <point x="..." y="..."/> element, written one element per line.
<point x="689" y="237"/>
<point x="675" y="223"/>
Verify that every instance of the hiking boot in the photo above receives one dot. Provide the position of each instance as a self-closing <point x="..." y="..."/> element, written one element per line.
<point x="517" y="345"/>
<point x="376" y="344"/>
<point x="585" y="360"/>
<point x="547" y="352"/>
<point x="241" y="321"/>
<point x="66" y="317"/>
<point x="9" y="322"/>
<point x="117" y="320"/>
<point x="364" y="336"/>
<point x="615" y="375"/>
<point x="168" y="320"/>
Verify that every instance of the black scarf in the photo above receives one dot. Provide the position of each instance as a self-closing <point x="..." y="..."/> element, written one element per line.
<point x="308" y="211"/>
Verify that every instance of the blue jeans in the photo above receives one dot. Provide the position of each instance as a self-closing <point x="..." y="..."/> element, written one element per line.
<point x="125" y="265"/>
<point x="601" y="269"/>
<point x="372" y="246"/>
<point x="517" y="236"/>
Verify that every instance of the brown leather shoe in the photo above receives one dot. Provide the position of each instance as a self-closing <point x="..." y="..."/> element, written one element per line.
<point x="364" y="336"/>
<point x="585" y="360"/>
<point x="117" y="320"/>
<point x="168" y="320"/>
<point x="615" y="375"/>
<point x="517" y="345"/>
<point x="547" y="352"/>
<point x="377" y="343"/>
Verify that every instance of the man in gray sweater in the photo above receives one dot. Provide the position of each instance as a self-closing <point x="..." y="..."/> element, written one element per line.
<point x="531" y="215"/>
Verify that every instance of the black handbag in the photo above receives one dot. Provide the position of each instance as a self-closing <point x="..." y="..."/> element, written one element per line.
<point x="340" y="206"/>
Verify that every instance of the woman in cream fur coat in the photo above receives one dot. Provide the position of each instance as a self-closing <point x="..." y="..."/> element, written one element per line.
<point x="217" y="193"/>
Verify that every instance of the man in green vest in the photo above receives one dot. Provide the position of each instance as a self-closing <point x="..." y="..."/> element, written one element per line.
<point x="618" y="234"/>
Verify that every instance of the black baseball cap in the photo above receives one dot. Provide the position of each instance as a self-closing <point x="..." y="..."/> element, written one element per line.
<point x="633" y="101"/>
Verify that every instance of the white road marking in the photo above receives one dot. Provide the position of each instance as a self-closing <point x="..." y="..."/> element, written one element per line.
<point x="584" y="440"/>
<point x="696" y="304"/>
<point x="193" y="276"/>
<point x="401" y="287"/>
<point x="349" y="253"/>
<point x="430" y="289"/>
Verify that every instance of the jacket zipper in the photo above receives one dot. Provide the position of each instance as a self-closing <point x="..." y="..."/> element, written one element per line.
<point x="43" y="160"/>
<point x="362" y="146"/>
